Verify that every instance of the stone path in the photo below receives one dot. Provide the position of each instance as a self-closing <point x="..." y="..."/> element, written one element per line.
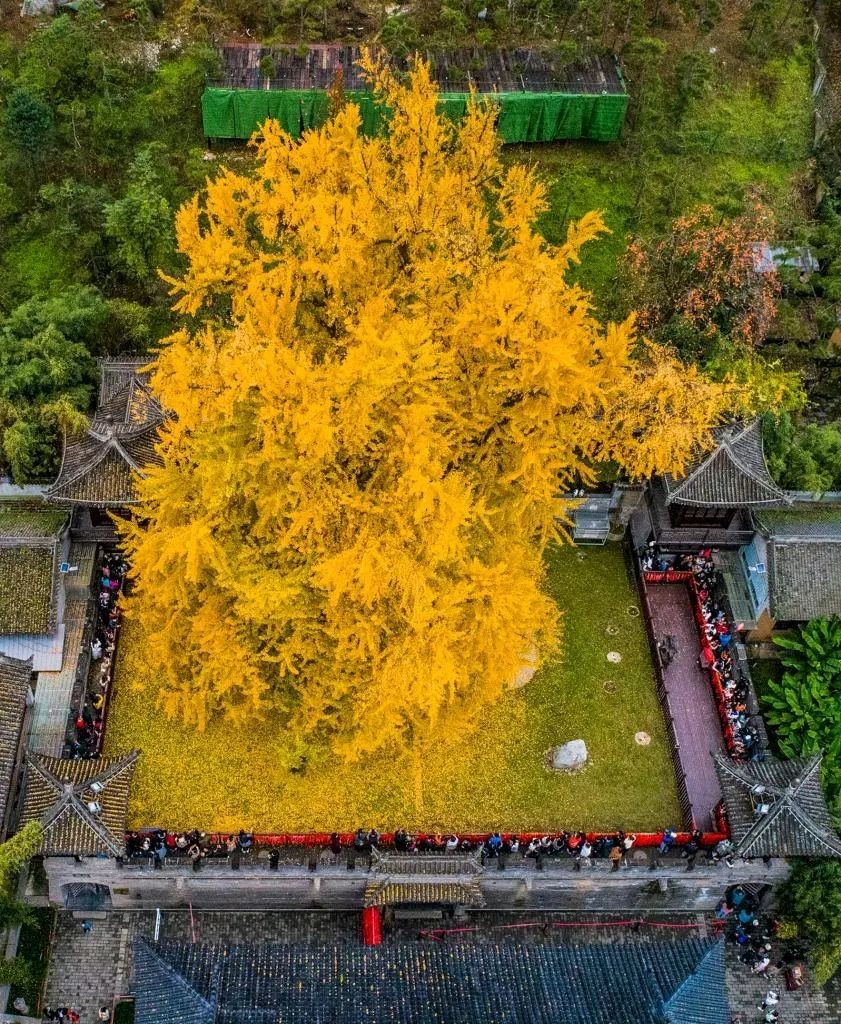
<point x="746" y="990"/>
<point x="690" y="698"/>
<point x="54" y="690"/>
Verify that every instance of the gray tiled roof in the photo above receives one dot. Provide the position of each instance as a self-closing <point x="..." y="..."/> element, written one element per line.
<point x="623" y="982"/>
<point x="804" y="578"/>
<point x="698" y="1000"/>
<point x="797" y="823"/>
<point x="734" y="474"/>
<point x="102" y="467"/>
<point x="15" y="685"/>
<point x="815" y="522"/>
<point x="57" y="794"/>
<point x="30" y="534"/>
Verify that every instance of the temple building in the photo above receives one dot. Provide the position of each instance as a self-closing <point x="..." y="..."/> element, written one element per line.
<point x="81" y="805"/>
<point x="777" y="808"/>
<point x="99" y="471"/>
<point x="778" y="551"/>
<point x="623" y="981"/>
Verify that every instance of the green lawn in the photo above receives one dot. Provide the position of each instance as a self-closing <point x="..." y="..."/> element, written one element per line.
<point x="224" y="779"/>
<point x="747" y="132"/>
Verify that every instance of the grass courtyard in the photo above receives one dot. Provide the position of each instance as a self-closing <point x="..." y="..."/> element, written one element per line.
<point x="225" y="779"/>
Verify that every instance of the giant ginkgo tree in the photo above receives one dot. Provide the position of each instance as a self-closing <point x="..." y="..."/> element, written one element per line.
<point x="384" y="383"/>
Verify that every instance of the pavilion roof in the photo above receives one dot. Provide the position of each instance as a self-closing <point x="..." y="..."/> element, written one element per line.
<point x="734" y="474"/>
<point x="102" y="467"/>
<point x="388" y="891"/>
<point x="57" y="794"/>
<point x="797" y="822"/>
<point x="625" y="982"/>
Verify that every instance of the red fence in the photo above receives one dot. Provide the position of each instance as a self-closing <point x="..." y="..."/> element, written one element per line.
<point x="303" y="839"/>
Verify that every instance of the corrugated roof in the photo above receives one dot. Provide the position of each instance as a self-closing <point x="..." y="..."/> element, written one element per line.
<point x="29" y="520"/>
<point x="623" y="982"/>
<point x="734" y="474"/>
<point x="702" y="999"/>
<point x="819" y="523"/>
<point x="796" y="823"/>
<point x="57" y="794"/>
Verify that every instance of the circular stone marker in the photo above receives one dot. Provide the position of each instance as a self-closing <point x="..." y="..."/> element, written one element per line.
<point x="642" y="738"/>
<point x="614" y="657"/>
<point x="609" y="686"/>
<point x="632" y="610"/>
<point x="611" y="630"/>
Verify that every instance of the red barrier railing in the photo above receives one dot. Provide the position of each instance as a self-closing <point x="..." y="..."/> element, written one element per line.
<point x="304" y="839"/>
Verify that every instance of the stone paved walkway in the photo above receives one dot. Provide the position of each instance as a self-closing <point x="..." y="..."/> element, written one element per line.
<point x="689" y="697"/>
<point x="746" y="990"/>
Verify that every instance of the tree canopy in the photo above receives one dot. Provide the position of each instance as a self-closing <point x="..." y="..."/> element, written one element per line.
<point x="386" y="383"/>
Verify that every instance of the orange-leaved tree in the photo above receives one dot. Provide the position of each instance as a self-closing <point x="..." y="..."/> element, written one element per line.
<point x="386" y="384"/>
<point x="707" y="278"/>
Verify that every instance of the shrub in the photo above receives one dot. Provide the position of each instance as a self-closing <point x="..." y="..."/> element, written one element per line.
<point x="810" y="903"/>
<point x="805" y="705"/>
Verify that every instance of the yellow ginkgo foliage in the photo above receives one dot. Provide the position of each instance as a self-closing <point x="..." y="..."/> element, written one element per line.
<point x="386" y="385"/>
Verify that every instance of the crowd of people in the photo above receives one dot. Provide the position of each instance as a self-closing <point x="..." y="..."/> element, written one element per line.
<point x="717" y="633"/>
<point x="747" y="927"/>
<point x="89" y="719"/>
<point x="194" y="847"/>
<point x="580" y="848"/>
<point x="731" y="687"/>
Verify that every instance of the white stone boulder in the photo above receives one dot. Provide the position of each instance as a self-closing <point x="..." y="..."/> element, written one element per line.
<point x="569" y="757"/>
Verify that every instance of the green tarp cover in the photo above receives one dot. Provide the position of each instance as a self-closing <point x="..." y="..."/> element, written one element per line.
<point x="523" y="116"/>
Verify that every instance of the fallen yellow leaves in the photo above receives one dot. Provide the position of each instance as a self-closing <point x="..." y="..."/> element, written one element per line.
<point x="229" y="777"/>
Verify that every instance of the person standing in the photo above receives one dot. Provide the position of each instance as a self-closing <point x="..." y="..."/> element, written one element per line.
<point x="615" y="856"/>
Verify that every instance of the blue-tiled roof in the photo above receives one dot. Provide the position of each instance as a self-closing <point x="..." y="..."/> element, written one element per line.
<point x="702" y="998"/>
<point x="622" y="982"/>
<point x="167" y="995"/>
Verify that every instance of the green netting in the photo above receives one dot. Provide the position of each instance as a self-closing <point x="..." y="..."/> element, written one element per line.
<point x="523" y="117"/>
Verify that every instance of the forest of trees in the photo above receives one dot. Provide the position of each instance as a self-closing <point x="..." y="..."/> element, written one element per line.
<point x="102" y="142"/>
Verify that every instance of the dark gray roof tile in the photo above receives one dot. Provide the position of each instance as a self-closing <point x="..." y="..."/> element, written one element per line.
<point x="15" y="686"/>
<point x="734" y="474"/>
<point x="625" y="982"/>
<point x="804" y="578"/>
<point x="797" y="822"/>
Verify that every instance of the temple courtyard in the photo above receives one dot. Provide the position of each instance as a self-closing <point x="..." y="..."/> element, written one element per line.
<point x="229" y="778"/>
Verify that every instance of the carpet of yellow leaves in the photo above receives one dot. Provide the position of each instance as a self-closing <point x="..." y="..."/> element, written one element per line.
<point x="226" y="778"/>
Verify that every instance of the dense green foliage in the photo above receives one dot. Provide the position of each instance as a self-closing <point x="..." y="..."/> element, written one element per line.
<point x="804" y="707"/>
<point x="14" y="853"/>
<point x="33" y="954"/>
<point x="101" y="141"/>
<point x="811" y="902"/>
<point x="102" y="144"/>
<point x="803" y="457"/>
